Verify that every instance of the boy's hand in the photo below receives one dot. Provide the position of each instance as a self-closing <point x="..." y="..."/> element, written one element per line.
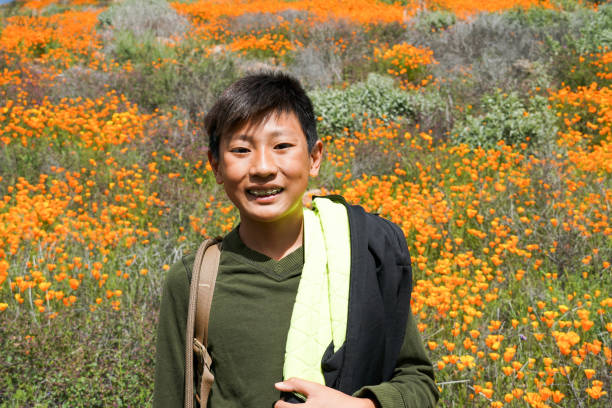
<point x="319" y="395"/>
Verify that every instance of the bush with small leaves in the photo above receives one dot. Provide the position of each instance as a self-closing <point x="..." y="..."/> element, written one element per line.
<point x="568" y="37"/>
<point x="378" y="99"/>
<point x="590" y="32"/>
<point x="508" y="119"/>
<point x="340" y="109"/>
<point x="595" y="30"/>
<point x="436" y="20"/>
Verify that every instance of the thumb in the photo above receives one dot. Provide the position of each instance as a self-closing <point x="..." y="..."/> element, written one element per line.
<point x="295" y="384"/>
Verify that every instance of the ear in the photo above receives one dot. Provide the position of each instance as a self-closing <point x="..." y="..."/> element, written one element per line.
<point x="316" y="156"/>
<point x="214" y="164"/>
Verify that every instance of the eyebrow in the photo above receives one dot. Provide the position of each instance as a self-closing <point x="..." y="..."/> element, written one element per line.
<point x="243" y="136"/>
<point x="246" y="136"/>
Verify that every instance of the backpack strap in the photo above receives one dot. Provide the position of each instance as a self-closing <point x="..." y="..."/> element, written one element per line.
<point x="201" y="290"/>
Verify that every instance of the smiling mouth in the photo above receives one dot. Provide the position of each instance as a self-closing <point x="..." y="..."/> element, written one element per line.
<point x="264" y="193"/>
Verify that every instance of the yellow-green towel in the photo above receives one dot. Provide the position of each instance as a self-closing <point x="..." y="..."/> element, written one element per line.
<point x="321" y="305"/>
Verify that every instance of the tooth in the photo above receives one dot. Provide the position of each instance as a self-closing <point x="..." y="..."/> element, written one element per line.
<point x="261" y="193"/>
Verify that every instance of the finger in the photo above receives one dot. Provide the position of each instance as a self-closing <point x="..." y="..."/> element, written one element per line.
<point x="300" y="385"/>
<point x="283" y="404"/>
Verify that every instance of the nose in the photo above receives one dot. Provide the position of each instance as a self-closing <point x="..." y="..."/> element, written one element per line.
<point x="263" y="165"/>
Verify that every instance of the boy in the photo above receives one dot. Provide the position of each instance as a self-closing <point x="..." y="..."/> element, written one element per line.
<point x="310" y="304"/>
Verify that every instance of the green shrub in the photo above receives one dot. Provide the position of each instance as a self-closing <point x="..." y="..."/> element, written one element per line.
<point x="198" y="80"/>
<point x="568" y="37"/>
<point x="164" y="75"/>
<point x="590" y="33"/>
<point x="428" y="21"/>
<point x="380" y="99"/>
<point x="383" y="33"/>
<point x="595" y="30"/>
<point x="582" y="30"/>
<point x="539" y="18"/>
<point x="139" y="49"/>
<point x="505" y="117"/>
<point x="188" y="79"/>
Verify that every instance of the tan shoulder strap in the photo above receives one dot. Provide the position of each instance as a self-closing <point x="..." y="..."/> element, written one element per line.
<point x="201" y="290"/>
<point x="206" y="287"/>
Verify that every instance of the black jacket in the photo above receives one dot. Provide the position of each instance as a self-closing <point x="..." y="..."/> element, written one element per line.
<point x="379" y="303"/>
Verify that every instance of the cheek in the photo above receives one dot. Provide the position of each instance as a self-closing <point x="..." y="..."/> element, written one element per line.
<point x="226" y="170"/>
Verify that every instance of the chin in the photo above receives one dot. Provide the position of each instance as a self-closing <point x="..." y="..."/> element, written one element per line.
<point x="272" y="215"/>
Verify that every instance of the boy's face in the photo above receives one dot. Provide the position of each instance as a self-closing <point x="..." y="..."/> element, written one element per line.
<point x="265" y="168"/>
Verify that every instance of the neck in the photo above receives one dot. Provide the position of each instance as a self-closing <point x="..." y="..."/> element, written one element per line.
<point x="272" y="239"/>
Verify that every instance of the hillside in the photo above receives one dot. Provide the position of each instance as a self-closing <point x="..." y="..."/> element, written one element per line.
<point x="483" y="129"/>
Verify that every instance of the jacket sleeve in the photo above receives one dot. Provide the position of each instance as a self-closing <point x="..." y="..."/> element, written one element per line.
<point x="412" y="384"/>
<point x="170" y="350"/>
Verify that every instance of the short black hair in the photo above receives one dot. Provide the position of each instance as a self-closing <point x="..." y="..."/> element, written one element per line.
<point x="253" y="98"/>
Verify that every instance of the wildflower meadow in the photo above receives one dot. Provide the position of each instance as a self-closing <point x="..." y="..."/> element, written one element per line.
<point x="483" y="129"/>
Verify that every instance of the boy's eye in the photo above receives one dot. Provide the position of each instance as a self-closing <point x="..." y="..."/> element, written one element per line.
<point x="283" y="146"/>
<point x="239" y="150"/>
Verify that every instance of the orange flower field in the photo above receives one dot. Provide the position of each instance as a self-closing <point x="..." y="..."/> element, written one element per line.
<point x="104" y="183"/>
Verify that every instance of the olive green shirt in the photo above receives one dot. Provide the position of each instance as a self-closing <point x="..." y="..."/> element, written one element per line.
<point x="250" y="315"/>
